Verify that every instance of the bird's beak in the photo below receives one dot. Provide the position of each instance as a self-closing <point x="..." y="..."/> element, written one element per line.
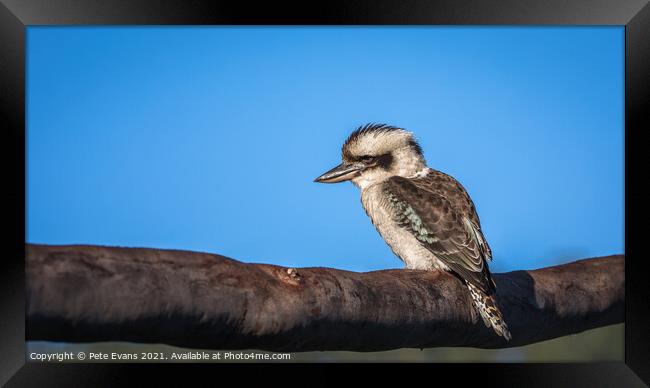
<point x="340" y="173"/>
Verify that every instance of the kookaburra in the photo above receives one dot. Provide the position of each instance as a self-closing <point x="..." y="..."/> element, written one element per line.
<point x="424" y="215"/>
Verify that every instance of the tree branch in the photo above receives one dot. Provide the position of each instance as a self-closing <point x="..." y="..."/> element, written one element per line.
<point x="198" y="300"/>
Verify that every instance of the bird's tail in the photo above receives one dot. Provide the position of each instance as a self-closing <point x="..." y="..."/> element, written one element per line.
<point x="487" y="307"/>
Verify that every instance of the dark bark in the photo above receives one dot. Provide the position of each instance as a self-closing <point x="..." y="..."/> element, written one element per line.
<point x="198" y="300"/>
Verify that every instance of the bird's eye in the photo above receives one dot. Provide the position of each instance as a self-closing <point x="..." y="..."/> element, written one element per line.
<point x="367" y="158"/>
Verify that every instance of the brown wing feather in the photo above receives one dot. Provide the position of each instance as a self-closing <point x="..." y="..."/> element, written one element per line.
<point x="443" y="184"/>
<point x="443" y="229"/>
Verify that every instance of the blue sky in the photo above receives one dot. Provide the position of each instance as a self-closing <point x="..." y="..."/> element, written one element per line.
<point x="209" y="139"/>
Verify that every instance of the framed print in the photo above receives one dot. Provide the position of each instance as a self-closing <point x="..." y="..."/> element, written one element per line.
<point x="433" y="183"/>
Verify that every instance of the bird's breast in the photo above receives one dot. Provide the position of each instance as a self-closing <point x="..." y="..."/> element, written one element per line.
<point x="402" y="242"/>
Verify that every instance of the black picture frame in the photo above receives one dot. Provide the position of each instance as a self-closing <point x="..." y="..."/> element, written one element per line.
<point x="16" y="15"/>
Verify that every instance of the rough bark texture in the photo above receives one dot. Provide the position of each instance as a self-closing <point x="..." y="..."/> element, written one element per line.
<point x="198" y="300"/>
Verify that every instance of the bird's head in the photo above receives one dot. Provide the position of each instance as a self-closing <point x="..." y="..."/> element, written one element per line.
<point x="374" y="153"/>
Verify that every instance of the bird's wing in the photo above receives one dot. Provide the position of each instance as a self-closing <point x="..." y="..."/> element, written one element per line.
<point x="440" y="183"/>
<point x="477" y="234"/>
<point x="442" y="229"/>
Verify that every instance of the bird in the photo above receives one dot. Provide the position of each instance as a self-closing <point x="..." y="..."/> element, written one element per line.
<point x="426" y="216"/>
